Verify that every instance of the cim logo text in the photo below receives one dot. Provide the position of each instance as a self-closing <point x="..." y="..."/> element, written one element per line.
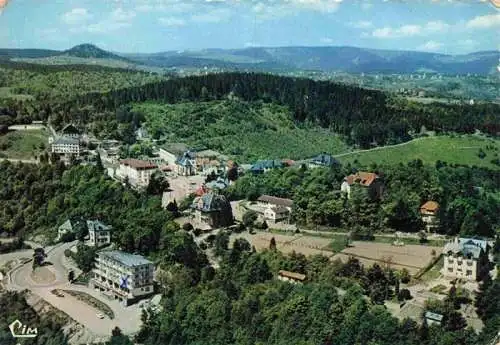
<point x="18" y="330"/>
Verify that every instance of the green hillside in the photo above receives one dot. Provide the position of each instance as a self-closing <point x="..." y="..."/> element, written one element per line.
<point x="463" y="149"/>
<point x="18" y="82"/>
<point x="246" y="130"/>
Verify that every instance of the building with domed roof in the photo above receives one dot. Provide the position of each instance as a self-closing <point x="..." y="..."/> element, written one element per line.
<point x="212" y="209"/>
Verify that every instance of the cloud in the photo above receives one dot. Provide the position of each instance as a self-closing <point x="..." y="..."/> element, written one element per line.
<point x="484" y="22"/>
<point x="326" y="40"/>
<point x="116" y="20"/>
<point x="76" y="16"/>
<point x="165" y="6"/>
<point x="430" y="46"/>
<point x="366" y="6"/>
<point x="213" y="16"/>
<point x="120" y="15"/>
<point x="171" y="21"/>
<point x="411" y="30"/>
<point x="362" y="24"/>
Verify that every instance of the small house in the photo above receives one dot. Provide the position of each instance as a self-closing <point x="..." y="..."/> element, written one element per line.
<point x="433" y="318"/>
<point x="429" y="213"/>
<point x="272" y="201"/>
<point x="212" y="209"/>
<point x="323" y="160"/>
<point x="99" y="233"/>
<point x="292" y="277"/>
<point x="371" y="182"/>
<point x="263" y="166"/>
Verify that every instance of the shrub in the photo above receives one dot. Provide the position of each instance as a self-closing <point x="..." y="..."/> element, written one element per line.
<point x="67" y="253"/>
<point x="187" y="226"/>
<point x="404" y="295"/>
<point x="197" y="232"/>
<point x="405" y="276"/>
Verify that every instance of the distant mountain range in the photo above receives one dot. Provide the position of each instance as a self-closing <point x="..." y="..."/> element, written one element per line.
<point x="341" y="59"/>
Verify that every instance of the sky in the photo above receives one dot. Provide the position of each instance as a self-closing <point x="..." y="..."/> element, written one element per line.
<point x="146" y="26"/>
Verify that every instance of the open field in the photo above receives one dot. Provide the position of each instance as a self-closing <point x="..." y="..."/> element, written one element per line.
<point x="458" y="150"/>
<point x="306" y="245"/>
<point x="23" y="144"/>
<point x="411" y="257"/>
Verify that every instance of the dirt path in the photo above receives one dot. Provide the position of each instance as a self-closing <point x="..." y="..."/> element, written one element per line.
<point x="378" y="148"/>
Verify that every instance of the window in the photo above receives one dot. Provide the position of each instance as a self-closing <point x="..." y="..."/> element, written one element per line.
<point x="450" y="269"/>
<point x="469" y="273"/>
<point x="147" y="288"/>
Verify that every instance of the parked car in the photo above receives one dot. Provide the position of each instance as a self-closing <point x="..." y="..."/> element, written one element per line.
<point x="100" y="315"/>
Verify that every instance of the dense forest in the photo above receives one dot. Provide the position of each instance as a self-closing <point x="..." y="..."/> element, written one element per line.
<point x="363" y="117"/>
<point x="469" y="197"/>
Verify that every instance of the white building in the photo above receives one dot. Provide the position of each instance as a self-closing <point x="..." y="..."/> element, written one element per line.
<point x="123" y="276"/>
<point x="276" y="213"/>
<point x="137" y="171"/>
<point x="66" y="146"/>
<point x="462" y="257"/>
<point x="100" y="234"/>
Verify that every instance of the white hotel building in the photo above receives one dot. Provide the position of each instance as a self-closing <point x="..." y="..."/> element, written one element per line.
<point x="123" y="276"/>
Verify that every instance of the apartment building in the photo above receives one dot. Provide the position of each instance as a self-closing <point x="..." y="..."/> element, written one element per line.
<point x="462" y="257"/>
<point x="137" y="171"/>
<point x="123" y="276"/>
<point x="99" y="233"/>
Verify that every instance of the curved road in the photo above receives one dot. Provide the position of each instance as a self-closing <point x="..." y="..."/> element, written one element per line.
<point x="128" y="319"/>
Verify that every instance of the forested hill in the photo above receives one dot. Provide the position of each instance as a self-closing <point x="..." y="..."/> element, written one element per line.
<point x="364" y="117"/>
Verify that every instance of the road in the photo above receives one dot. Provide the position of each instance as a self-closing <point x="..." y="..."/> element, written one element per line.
<point x="27" y="161"/>
<point x="128" y="319"/>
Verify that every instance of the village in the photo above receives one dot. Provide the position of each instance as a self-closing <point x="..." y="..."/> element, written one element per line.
<point x="125" y="282"/>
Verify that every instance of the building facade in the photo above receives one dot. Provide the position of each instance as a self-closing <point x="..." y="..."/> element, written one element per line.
<point x="66" y="146"/>
<point x="462" y="258"/>
<point x="123" y="276"/>
<point x="99" y="233"/>
<point x="137" y="172"/>
<point x="276" y="213"/>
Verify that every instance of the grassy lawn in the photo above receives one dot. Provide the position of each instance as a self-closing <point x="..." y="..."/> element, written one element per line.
<point x="433" y="273"/>
<point x="243" y="130"/>
<point x="23" y="144"/>
<point x="458" y="150"/>
<point x="93" y="302"/>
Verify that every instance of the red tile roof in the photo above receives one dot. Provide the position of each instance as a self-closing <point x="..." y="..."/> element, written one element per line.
<point x="138" y="164"/>
<point x="429" y="206"/>
<point x="361" y="177"/>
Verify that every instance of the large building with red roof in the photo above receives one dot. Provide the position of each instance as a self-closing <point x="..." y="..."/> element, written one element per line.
<point x="138" y="172"/>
